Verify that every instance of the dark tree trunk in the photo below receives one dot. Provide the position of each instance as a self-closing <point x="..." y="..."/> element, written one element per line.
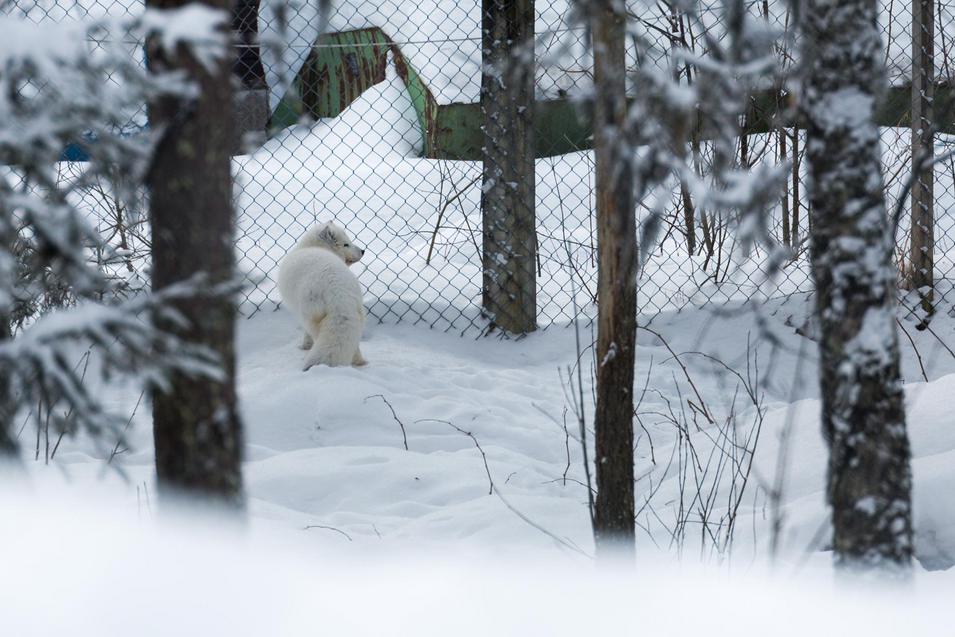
<point x="689" y="216"/>
<point x="677" y="39"/>
<point x="507" y="193"/>
<point x="196" y="424"/>
<point x="8" y="442"/>
<point x="863" y="418"/>
<point x="787" y="240"/>
<point x="617" y="289"/>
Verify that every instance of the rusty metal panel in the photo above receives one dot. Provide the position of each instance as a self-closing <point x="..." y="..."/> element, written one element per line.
<point x="341" y="67"/>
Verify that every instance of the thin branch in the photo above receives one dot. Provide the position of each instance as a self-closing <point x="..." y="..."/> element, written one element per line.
<point x="701" y="403"/>
<point x="404" y="435"/>
<point x="329" y="528"/>
<point x="476" y="444"/>
<point x="915" y="349"/>
<point x="561" y="541"/>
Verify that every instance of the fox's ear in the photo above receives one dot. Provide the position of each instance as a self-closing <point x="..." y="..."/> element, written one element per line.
<point x="327" y="234"/>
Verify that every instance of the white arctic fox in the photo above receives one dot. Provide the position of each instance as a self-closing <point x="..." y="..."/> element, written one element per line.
<point x="319" y="289"/>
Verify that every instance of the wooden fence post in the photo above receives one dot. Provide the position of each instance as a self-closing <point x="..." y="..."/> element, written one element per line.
<point x="507" y="190"/>
<point x="921" y="273"/>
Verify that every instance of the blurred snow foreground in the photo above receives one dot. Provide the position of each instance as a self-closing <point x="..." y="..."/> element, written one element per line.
<point x="75" y="569"/>
<point x="350" y="533"/>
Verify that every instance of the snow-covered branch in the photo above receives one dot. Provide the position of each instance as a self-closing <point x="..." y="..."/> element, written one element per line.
<point x="76" y="85"/>
<point x="133" y="338"/>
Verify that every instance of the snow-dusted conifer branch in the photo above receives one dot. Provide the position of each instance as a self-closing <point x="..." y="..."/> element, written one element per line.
<point x="56" y="89"/>
<point x="60" y="85"/>
<point x="40" y="363"/>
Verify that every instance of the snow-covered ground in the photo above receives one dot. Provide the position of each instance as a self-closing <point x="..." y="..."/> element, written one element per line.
<point x="81" y="572"/>
<point x="325" y="449"/>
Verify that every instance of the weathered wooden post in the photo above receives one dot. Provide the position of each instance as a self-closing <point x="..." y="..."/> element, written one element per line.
<point x="507" y="191"/>
<point x="922" y="233"/>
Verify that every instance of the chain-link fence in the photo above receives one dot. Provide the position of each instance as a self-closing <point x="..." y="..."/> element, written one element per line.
<point x="475" y="216"/>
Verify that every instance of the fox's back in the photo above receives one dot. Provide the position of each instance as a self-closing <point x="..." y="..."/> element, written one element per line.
<point x="317" y="277"/>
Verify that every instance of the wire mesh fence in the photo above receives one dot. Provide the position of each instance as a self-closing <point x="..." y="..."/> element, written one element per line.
<point x="391" y="123"/>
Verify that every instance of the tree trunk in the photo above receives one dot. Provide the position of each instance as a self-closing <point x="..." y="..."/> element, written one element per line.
<point x="196" y="424"/>
<point x="676" y="42"/>
<point x="869" y="481"/>
<point x="507" y="192"/>
<point x="8" y="441"/>
<point x="922" y="239"/>
<point x="617" y="288"/>
<point x="781" y="137"/>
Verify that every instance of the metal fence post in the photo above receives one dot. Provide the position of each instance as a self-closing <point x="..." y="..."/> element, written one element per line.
<point x="509" y="290"/>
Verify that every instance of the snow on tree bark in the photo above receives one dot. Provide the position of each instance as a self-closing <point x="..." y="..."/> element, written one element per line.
<point x="196" y="425"/>
<point x="863" y="418"/>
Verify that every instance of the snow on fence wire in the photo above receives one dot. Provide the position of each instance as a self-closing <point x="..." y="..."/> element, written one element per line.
<point x="378" y="124"/>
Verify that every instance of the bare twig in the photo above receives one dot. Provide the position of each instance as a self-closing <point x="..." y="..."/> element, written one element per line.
<point x="476" y="444"/>
<point x="566" y="446"/>
<point x="404" y="435"/>
<point x="579" y="406"/>
<point x="447" y="202"/>
<point x="561" y="541"/>
<point x="701" y="403"/>
<point x="925" y="161"/>
<point x="915" y="348"/>
<point x="494" y="491"/>
<point x="125" y="429"/>
<point x="329" y="528"/>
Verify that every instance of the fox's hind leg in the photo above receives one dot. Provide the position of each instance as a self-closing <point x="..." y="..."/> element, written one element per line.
<point x="358" y="360"/>
<point x="312" y="327"/>
<point x="307" y="342"/>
